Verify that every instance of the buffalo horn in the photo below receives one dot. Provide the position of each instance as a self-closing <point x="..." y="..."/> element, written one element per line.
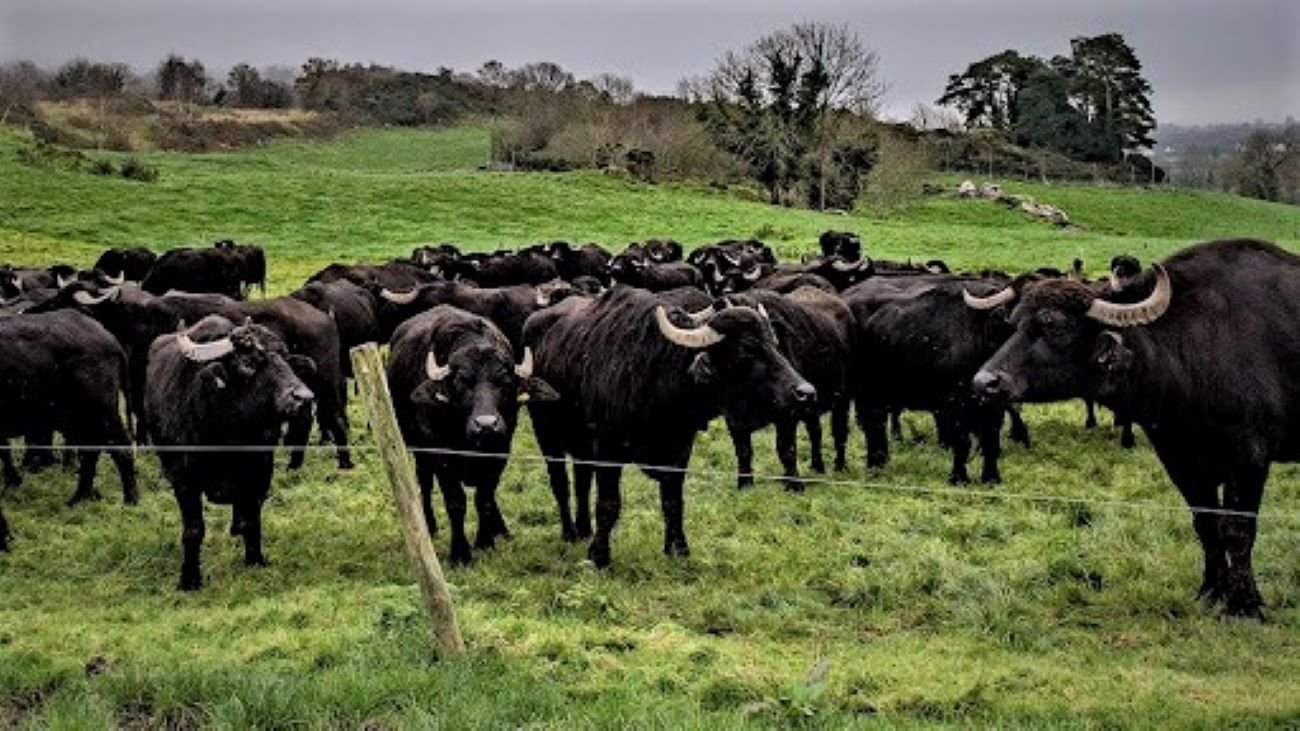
<point x="118" y="280"/>
<point x="85" y="299"/>
<point x="1001" y="297"/>
<point x="1139" y="313"/>
<point x="524" y="370"/>
<point x="700" y="337"/>
<point x="402" y="298"/>
<point x="204" y="352"/>
<point x="433" y="370"/>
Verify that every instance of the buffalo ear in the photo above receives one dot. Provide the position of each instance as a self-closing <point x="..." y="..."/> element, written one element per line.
<point x="430" y="393"/>
<point x="536" y="388"/>
<point x="1110" y="351"/>
<point x="214" y="377"/>
<point x="701" y="370"/>
<point x="301" y="365"/>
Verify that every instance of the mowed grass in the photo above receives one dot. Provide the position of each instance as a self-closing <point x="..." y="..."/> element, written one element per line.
<point x="1062" y="597"/>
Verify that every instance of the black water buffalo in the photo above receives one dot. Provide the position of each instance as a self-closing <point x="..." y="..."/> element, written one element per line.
<point x="636" y="388"/>
<point x="647" y="274"/>
<point x="397" y="275"/>
<point x="126" y="264"/>
<point x="659" y="251"/>
<point x="215" y="270"/>
<point x="503" y="268"/>
<point x="62" y="371"/>
<point x="843" y="244"/>
<point x="456" y="386"/>
<point x="136" y="318"/>
<point x="353" y="310"/>
<point x="813" y="329"/>
<point x="587" y="260"/>
<point x="252" y="262"/>
<point x="1207" y="368"/>
<point x="213" y="385"/>
<point x="507" y="307"/>
<point x="917" y="342"/>
<point x="4" y="532"/>
<point x="431" y="257"/>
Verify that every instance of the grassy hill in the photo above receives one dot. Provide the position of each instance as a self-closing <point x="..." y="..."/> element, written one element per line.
<point x="1063" y="597"/>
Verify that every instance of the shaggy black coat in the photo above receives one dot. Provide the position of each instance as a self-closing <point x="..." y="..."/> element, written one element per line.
<point x="474" y="408"/>
<point x="62" y="371"/>
<point x="1212" y="382"/>
<point x="241" y="399"/>
<point x="628" y="395"/>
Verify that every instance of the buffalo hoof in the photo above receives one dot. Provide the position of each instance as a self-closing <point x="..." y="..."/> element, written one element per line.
<point x="959" y="478"/>
<point x="818" y="466"/>
<point x="582" y="530"/>
<point x="1127" y="441"/>
<point x="484" y="542"/>
<point x="677" y="548"/>
<point x="295" y="463"/>
<point x="131" y="499"/>
<point x="568" y="534"/>
<point x="190" y="583"/>
<point x="744" y="482"/>
<point x="256" y="561"/>
<point x="793" y="484"/>
<point x="841" y="465"/>
<point x="991" y="478"/>
<point x="82" y="497"/>
<point x="345" y="463"/>
<point x="599" y="555"/>
<point x="1246" y="612"/>
<point x="461" y="555"/>
<point x="877" y="461"/>
<point x="13" y="479"/>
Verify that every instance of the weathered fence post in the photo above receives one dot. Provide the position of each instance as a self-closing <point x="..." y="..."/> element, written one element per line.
<point x="369" y="371"/>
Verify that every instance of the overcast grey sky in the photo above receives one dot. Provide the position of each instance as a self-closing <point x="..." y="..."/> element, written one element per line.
<point x="1226" y="60"/>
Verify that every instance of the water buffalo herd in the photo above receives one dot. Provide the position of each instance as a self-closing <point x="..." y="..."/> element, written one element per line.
<point x="622" y="359"/>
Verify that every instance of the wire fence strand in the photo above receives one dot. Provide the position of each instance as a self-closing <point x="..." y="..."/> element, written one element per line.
<point x="947" y="492"/>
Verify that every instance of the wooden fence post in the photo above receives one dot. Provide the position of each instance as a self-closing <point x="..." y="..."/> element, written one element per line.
<point x="369" y="372"/>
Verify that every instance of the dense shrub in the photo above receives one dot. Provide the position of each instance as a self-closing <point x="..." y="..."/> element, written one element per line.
<point x="134" y="169"/>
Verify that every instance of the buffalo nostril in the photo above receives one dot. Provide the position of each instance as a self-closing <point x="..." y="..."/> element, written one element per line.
<point x="805" y="392"/>
<point x="986" y="382"/>
<point x="489" y="422"/>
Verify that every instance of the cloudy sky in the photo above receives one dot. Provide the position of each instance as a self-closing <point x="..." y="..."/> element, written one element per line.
<point x="1208" y="61"/>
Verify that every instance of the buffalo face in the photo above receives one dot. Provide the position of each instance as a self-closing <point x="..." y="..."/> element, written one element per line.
<point x="1055" y="350"/>
<point x="739" y="358"/>
<point x="482" y="387"/>
<point x="253" y="362"/>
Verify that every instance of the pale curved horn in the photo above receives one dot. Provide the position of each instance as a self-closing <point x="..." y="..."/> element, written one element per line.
<point x="86" y="300"/>
<point x="525" y="370"/>
<point x="542" y="299"/>
<point x="701" y="337"/>
<point x="703" y="316"/>
<point x="1140" y="313"/>
<point x="1119" y="339"/>
<point x="60" y="282"/>
<point x="840" y="265"/>
<point x="117" y="281"/>
<point x="763" y="312"/>
<point x="400" y="298"/>
<point x="1001" y="297"/>
<point x="434" y="371"/>
<point x="204" y="352"/>
<point x="733" y="260"/>
<point x="753" y="274"/>
<point x="18" y="284"/>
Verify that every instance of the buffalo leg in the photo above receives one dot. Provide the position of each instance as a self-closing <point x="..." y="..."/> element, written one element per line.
<point x="490" y="522"/>
<point x="582" y="476"/>
<point x="609" y="503"/>
<point x="743" y="442"/>
<point x="840" y="432"/>
<point x="249" y="517"/>
<point x="86" y="477"/>
<point x="958" y="441"/>
<point x="673" y="506"/>
<point x="896" y="424"/>
<point x="1201" y="494"/>
<point x="1019" y="431"/>
<point x="296" y="437"/>
<point x="12" y="478"/>
<point x="786" y="435"/>
<point x="814" y="426"/>
<point x="1090" y="421"/>
<point x="115" y="434"/>
<point x="557" y="473"/>
<point x="872" y="420"/>
<point x="1242" y="495"/>
<point x="191" y="505"/>
<point x="989" y="427"/>
<point x="4" y="533"/>
<point x="1125" y="425"/>
<point x="453" y="498"/>
<point x="39" y="452"/>
<point x="424" y="476"/>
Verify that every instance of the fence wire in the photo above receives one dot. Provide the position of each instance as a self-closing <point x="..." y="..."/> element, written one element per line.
<point x="950" y="492"/>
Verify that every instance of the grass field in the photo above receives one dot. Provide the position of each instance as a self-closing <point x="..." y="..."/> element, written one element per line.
<point x="930" y="605"/>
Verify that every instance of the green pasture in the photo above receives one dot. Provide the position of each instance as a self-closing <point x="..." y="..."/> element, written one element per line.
<point x="1062" y="597"/>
